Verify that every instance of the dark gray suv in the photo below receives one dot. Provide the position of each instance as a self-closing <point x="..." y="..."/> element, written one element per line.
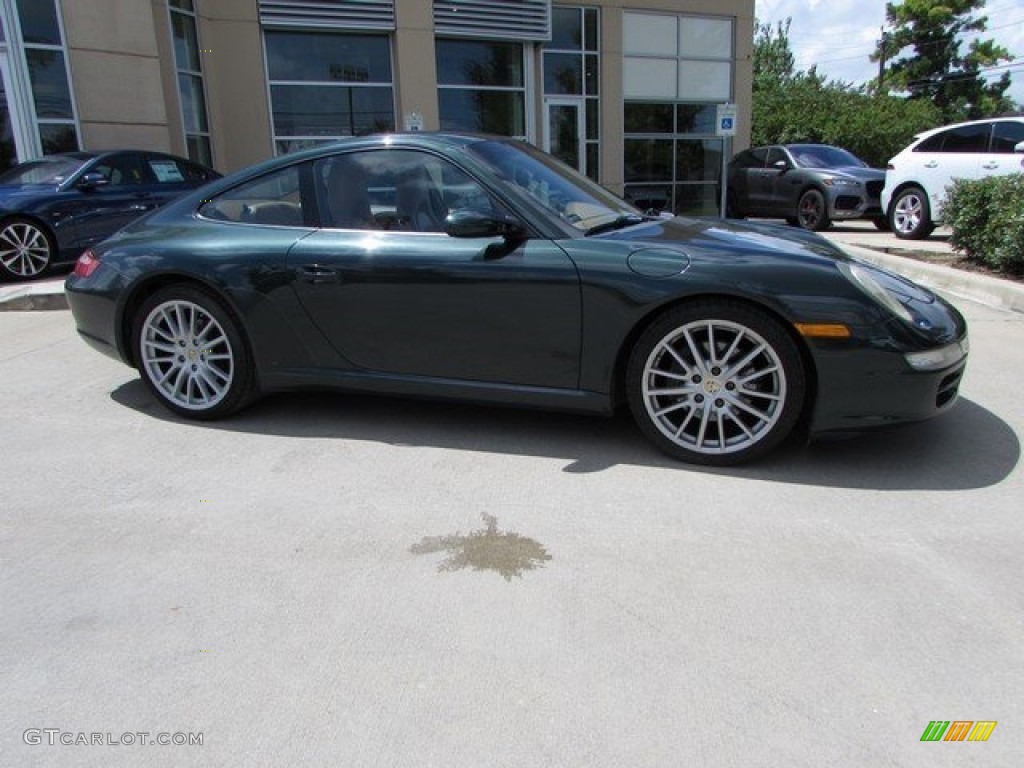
<point x="809" y="185"/>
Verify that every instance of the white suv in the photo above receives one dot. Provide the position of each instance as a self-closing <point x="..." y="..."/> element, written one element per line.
<point x="916" y="179"/>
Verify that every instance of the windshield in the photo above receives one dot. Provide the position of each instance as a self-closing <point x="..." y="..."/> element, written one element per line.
<point x="44" y="171"/>
<point x="566" y="193"/>
<point x="825" y="157"/>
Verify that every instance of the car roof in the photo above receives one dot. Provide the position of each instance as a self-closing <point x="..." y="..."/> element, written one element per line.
<point x="933" y="131"/>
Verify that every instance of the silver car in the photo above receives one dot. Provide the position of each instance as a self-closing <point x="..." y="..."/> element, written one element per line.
<point x="809" y="185"/>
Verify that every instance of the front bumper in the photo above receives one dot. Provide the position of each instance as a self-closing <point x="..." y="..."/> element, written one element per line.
<point x="853" y="203"/>
<point x="879" y="388"/>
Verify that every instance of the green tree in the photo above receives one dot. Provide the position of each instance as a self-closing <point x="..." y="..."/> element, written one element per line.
<point x="802" y="106"/>
<point x="923" y="57"/>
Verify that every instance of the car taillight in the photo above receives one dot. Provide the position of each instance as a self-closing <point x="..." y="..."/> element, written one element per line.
<point x="86" y="264"/>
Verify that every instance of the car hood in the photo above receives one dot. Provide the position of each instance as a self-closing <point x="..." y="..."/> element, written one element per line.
<point x="856" y="172"/>
<point x="729" y="237"/>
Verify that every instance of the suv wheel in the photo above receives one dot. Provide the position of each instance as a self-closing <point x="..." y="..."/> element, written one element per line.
<point x="910" y="215"/>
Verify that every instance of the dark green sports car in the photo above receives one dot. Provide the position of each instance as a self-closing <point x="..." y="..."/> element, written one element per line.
<point x="481" y="269"/>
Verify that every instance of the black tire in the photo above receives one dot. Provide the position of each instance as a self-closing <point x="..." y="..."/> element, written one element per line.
<point x="881" y="223"/>
<point x="812" y="211"/>
<point x="722" y="418"/>
<point x="191" y="354"/>
<point x="27" y="249"/>
<point x="910" y="214"/>
<point x="793" y="221"/>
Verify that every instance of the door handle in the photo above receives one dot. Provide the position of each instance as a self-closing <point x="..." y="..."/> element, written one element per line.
<point x="991" y="166"/>
<point x="932" y="164"/>
<point x="314" y="273"/>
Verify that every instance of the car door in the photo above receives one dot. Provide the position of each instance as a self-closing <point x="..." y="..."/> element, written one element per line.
<point x="125" y="194"/>
<point x="744" y="175"/>
<point x="774" y="182"/>
<point x="394" y="293"/>
<point x="1001" y="158"/>
<point x="957" y="153"/>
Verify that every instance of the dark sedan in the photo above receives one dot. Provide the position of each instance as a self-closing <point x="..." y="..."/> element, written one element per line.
<point x="53" y="208"/>
<point x="482" y="269"/>
<point x="809" y="185"/>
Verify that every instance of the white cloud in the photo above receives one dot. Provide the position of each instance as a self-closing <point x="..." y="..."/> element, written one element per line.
<point x="838" y="36"/>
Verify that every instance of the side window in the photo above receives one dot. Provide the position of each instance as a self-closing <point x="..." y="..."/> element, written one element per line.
<point x="167" y="170"/>
<point x="394" y="189"/>
<point x="274" y="199"/>
<point x="123" y="169"/>
<point x="775" y="155"/>
<point x="748" y="159"/>
<point x="966" y="138"/>
<point x="1006" y="135"/>
<point x="760" y="157"/>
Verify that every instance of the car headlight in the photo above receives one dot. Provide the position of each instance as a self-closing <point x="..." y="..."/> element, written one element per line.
<point x="841" y="183"/>
<point x="862" y="277"/>
<point x="936" y="359"/>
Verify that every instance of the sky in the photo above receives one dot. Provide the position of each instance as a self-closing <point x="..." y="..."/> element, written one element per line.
<point x="838" y="35"/>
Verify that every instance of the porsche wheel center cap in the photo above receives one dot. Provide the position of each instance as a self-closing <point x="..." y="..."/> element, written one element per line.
<point x="712" y="386"/>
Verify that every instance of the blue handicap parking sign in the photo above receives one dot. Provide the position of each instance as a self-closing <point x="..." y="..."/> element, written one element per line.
<point x="726" y="123"/>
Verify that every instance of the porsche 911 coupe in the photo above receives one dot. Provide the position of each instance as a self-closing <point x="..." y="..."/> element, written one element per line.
<point x="481" y="269"/>
<point x="53" y="208"/>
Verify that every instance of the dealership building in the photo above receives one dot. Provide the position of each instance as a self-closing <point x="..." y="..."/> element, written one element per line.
<point x="650" y="97"/>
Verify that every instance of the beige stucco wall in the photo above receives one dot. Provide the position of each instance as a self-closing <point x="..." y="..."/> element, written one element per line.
<point x="236" y="87"/>
<point x="415" y="64"/>
<point x="115" y="71"/>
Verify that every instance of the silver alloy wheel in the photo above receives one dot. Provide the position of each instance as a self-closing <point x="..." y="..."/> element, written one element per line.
<point x="24" y="249"/>
<point x="908" y="213"/>
<point x="187" y="355"/>
<point x="714" y="387"/>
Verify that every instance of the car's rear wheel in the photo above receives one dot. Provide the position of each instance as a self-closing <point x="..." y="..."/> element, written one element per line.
<point x="911" y="215"/>
<point x="715" y="382"/>
<point x="811" y="211"/>
<point x="26" y="249"/>
<point x="191" y="353"/>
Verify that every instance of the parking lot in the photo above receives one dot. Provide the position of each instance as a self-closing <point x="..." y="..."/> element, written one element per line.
<point x="341" y="580"/>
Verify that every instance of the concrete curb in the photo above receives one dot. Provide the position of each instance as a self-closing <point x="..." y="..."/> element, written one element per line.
<point x="45" y="295"/>
<point x="1003" y="294"/>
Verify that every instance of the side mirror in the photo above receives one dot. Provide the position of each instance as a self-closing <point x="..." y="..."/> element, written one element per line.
<point x="1018" y="147"/>
<point x="782" y="165"/>
<point x="92" y="180"/>
<point x="469" y="223"/>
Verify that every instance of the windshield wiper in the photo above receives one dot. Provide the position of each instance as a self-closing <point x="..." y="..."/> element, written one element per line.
<point x="619" y="222"/>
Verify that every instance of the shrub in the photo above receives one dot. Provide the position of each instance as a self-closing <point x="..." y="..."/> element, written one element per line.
<point x="987" y="217"/>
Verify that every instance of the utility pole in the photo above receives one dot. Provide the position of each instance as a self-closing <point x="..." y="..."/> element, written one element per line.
<point x="883" y="47"/>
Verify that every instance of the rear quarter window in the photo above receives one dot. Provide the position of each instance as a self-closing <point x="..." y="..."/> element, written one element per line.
<point x="274" y="199"/>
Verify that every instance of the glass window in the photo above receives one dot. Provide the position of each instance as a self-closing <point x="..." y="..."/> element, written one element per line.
<point x="328" y="58"/>
<point x="777" y="155"/>
<point x="695" y="118"/>
<point x="966" y="138"/>
<point x="699" y="160"/>
<point x="1006" y="135"/>
<point x="481" y="87"/>
<point x="469" y="62"/>
<point x="648" y="118"/>
<point x="274" y="199"/>
<point x="563" y="73"/>
<point x="649" y="34"/>
<point x="123" y="170"/>
<point x="648" y="160"/>
<point x="481" y="111"/>
<point x="399" y="190"/>
<point x="39" y="22"/>
<point x="590" y="33"/>
<point x="321" y="110"/>
<point x="705" y="38"/>
<point x="49" y="83"/>
<point x="566" y="29"/>
<point x="325" y="85"/>
<point x="191" y="90"/>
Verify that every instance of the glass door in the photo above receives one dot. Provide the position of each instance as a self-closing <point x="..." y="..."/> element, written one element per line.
<point x="8" y="117"/>
<point x="564" y="130"/>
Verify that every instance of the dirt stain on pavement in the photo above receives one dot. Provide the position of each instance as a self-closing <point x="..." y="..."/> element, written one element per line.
<point x="486" y="549"/>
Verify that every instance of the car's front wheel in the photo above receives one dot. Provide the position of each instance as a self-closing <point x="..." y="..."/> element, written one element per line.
<point x="26" y="249"/>
<point x="911" y="216"/>
<point x="715" y="382"/>
<point x="812" y="211"/>
<point x="191" y="353"/>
